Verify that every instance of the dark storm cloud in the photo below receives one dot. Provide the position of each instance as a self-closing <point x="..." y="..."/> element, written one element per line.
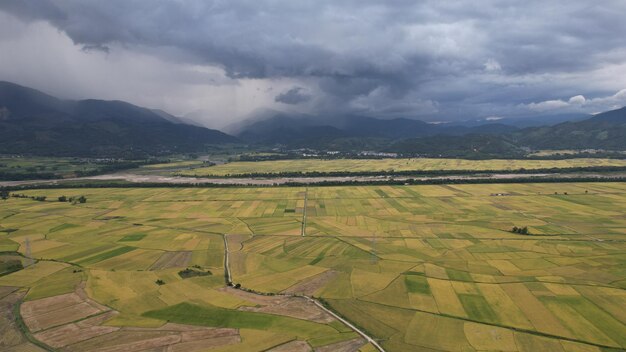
<point x="453" y="58"/>
<point x="293" y="96"/>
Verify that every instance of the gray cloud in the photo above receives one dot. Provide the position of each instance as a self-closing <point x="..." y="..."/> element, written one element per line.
<point x="293" y="96"/>
<point x="429" y="59"/>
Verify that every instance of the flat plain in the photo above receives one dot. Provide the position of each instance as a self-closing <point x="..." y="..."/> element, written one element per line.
<point x="392" y="165"/>
<point x="418" y="268"/>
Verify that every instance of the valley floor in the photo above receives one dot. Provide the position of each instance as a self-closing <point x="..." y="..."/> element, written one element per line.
<point x="428" y="268"/>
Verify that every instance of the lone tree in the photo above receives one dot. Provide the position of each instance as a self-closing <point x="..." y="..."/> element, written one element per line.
<point x="4" y="194"/>
<point x="62" y="199"/>
<point x="82" y="199"/>
<point x="160" y="282"/>
<point x="520" y="230"/>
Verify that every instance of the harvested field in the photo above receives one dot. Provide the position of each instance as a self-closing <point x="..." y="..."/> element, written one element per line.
<point x="294" y="307"/>
<point x="75" y="332"/>
<point x="11" y="338"/>
<point x="343" y="346"/>
<point x="57" y="310"/>
<point x="172" y="260"/>
<point x="92" y="334"/>
<point x="127" y="341"/>
<point x="311" y="285"/>
<point x="293" y="346"/>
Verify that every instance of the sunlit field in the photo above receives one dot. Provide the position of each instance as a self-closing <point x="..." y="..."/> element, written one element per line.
<point x="377" y="165"/>
<point x="416" y="267"/>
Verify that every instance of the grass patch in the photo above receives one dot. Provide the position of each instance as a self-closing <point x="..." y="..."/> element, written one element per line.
<point x="186" y="313"/>
<point x="64" y="281"/>
<point x="477" y="308"/>
<point x="458" y="275"/>
<point x="62" y="227"/>
<point x="417" y="284"/>
<point x="106" y="255"/>
<point x="133" y="237"/>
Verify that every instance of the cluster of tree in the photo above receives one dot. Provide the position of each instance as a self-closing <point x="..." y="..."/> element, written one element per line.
<point x="196" y="270"/>
<point x="9" y="266"/>
<point x="73" y="200"/>
<point x="37" y="198"/>
<point x="520" y="230"/>
<point x="239" y="287"/>
<point x="82" y="199"/>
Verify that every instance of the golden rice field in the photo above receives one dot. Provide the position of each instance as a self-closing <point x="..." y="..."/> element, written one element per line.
<point x="419" y="268"/>
<point x="373" y="165"/>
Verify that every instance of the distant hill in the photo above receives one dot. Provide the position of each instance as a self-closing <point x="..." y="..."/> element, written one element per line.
<point x="36" y="123"/>
<point x="352" y="133"/>
<point x="284" y="130"/>
<point x="602" y="131"/>
<point x="313" y="131"/>
<point x="605" y="131"/>
<point x="525" y="121"/>
<point x="467" y="146"/>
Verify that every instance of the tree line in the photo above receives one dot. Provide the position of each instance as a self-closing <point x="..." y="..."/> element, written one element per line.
<point x="390" y="182"/>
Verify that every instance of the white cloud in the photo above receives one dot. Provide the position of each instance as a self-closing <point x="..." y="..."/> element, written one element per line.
<point x="579" y="103"/>
<point x="41" y="57"/>
<point x="577" y="100"/>
<point x="548" y="105"/>
<point x="492" y="65"/>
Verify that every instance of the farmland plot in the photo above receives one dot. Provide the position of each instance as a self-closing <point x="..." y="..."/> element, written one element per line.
<point x="403" y="263"/>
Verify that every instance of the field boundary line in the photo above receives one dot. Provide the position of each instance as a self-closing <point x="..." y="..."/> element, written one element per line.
<point x="526" y="331"/>
<point x="229" y="282"/>
<point x="306" y="194"/>
<point x="347" y="323"/>
<point x="227" y="275"/>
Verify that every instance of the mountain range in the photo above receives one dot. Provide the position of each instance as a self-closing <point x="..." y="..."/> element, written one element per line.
<point x="32" y="122"/>
<point x="36" y="123"/>
<point x="303" y="130"/>
<point x="504" y="137"/>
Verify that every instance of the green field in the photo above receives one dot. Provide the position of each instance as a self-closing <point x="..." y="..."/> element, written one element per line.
<point x="392" y="165"/>
<point x="416" y="267"/>
<point x="26" y="168"/>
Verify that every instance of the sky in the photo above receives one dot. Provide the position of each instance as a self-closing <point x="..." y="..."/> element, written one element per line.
<point x="223" y="61"/>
